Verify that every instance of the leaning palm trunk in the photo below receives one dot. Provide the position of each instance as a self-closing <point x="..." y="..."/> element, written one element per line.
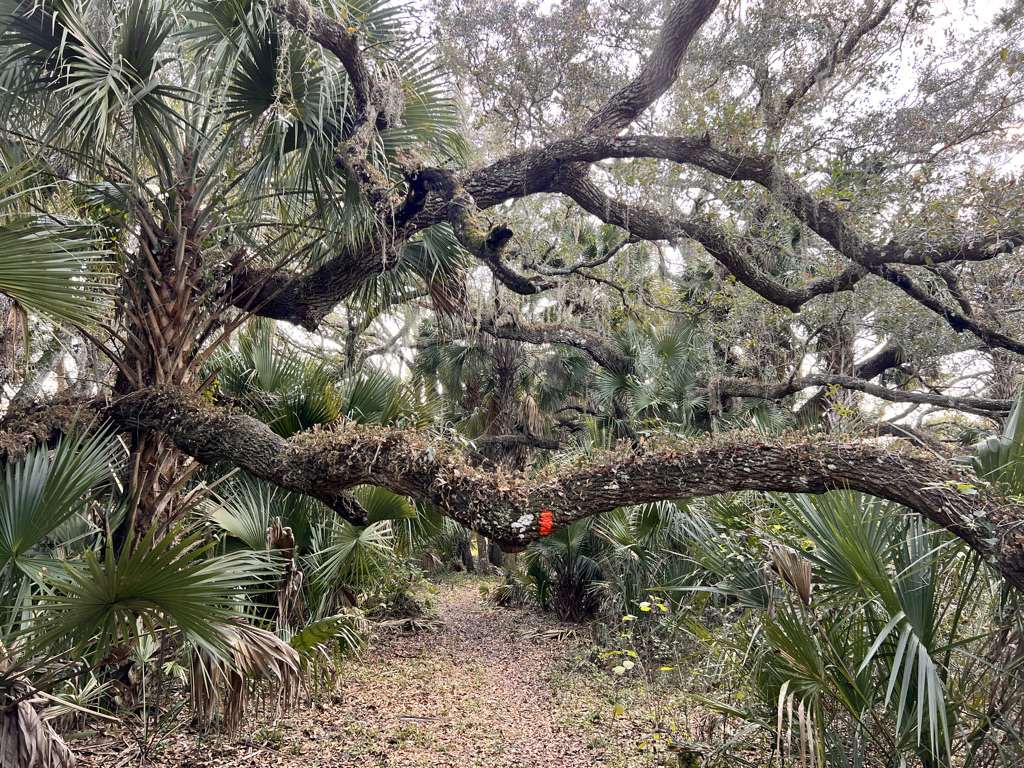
<point x="26" y="740"/>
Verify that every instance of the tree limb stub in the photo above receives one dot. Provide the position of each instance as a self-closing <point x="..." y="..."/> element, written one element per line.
<point x="507" y="506"/>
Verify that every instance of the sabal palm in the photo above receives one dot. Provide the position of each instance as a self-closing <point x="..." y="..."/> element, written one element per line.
<point x="221" y="99"/>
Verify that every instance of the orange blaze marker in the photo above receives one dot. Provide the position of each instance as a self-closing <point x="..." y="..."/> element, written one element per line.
<point x="546" y="520"/>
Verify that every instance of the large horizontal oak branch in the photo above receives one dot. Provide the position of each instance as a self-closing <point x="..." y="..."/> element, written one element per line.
<point x="507" y="506"/>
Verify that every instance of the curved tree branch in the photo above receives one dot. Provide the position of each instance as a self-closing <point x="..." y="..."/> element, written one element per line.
<point x="957" y="320"/>
<point x="827" y="64"/>
<point x="601" y="351"/>
<point x="658" y="72"/>
<point x="508" y="507"/>
<point x="982" y="406"/>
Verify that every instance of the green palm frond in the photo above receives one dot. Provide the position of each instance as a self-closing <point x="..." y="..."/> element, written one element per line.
<point x="435" y="262"/>
<point x="381" y="504"/>
<point x="734" y="571"/>
<point x="419" y="531"/>
<point x="100" y="91"/>
<point x="345" y="554"/>
<point x="52" y="270"/>
<point x="853" y="534"/>
<point x="170" y="583"/>
<point x="376" y="396"/>
<point x="1001" y="458"/>
<point x="44" y="490"/>
<point x="874" y="637"/>
<point x="245" y="506"/>
<point x="290" y="390"/>
<point x="342" y="629"/>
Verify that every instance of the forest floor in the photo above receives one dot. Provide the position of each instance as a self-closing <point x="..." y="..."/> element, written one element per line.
<point x="468" y="684"/>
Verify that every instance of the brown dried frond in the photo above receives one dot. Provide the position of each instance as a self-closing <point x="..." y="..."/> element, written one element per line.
<point x="26" y="740"/>
<point x="795" y="570"/>
<point x="258" y="657"/>
<point x="449" y="295"/>
<point x="280" y="537"/>
<point x="530" y="418"/>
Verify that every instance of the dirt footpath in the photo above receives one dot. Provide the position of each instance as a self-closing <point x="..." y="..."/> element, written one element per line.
<point x="468" y="685"/>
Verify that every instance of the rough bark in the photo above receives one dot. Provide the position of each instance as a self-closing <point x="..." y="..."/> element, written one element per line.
<point x="508" y="507"/>
<point x="658" y="72"/>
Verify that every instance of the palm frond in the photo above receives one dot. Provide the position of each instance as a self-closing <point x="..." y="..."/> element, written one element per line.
<point x="43" y="491"/>
<point x="1001" y="458"/>
<point x="52" y="270"/>
<point x="168" y="583"/>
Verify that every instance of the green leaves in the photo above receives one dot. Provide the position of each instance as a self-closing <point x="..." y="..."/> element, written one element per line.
<point x="1001" y="458"/>
<point x="341" y="628"/>
<point x="46" y="270"/>
<point x="97" y="88"/>
<point x="170" y="583"/>
<point x="41" y="492"/>
<point x="878" y="641"/>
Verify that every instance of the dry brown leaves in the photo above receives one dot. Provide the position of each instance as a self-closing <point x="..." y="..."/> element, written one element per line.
<point x="474" y="686"/>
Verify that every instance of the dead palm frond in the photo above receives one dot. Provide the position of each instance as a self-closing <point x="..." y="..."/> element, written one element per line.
<point x="226" y="685"/>
<point x="26" y="740"/>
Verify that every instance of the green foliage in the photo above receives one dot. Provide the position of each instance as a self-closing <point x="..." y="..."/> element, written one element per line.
<point x="866" y="653"/>
<point x="169" y="583"/>
<point x="341" y="629"/>
<point x="47" y="267"/>
<point x="245" y="507"/>
<point x="1000" y="458"/>
<point x="566" y="571"/>
<point x="38" y="497"/>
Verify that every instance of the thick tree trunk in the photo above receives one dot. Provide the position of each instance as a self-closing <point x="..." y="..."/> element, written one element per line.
<point x="10" y="340"/>
<point x="464" y="551"/>
<point x="495" y="555"/>
<point x="481" y="553"/>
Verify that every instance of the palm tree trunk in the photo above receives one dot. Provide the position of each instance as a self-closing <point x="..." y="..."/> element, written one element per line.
<point x="481" y="553"/>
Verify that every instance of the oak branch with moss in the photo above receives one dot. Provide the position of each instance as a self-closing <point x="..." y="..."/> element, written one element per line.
<point x="506" y="507"/>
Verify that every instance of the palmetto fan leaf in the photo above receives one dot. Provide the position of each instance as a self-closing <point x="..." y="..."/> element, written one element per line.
<point x="881" y="573"/>
<point x="379" y="397"/>
<point x="47" y="271"/>
<point x="345" y="554"/>
<point x="289" y="101"/>
<point x="1001" y="458"/>
<point x="99" y="91"/>
<point x="291" y="391"/>
<point x="381" y="504"/>
<point x="43" y="491"/>
<point x="170" y="583"/>
<point x="38" y="497"/>
<point x="245" y="506"/>
<point x="435" y="262"/>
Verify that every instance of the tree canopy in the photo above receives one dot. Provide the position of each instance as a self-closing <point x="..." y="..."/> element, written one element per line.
<point x="527" y="262"/>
